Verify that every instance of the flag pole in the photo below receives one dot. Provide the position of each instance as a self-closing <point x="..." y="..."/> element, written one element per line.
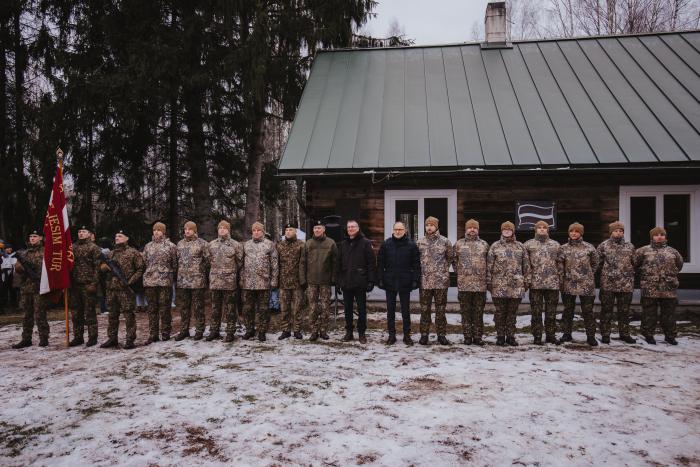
<point x="59" y="155"/>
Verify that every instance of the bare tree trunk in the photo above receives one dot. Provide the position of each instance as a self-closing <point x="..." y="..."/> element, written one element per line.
<point x="20" y="189"/>
<point x="255" y="164"/>
<point x="173" y="215"/>
<point x="3" y="112"/>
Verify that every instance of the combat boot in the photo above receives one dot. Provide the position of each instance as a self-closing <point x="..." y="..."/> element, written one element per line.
<point x="229" y="337"/>
<point x="551" y="339"/>
<point x="478" y="341"/>
<point x="91" y="341"/>
<point x="76" y="342"/>
<point x="628" y="339"/>
<point x="198" y="335"/>
<point x="284" y="335"/>
<point x="129" y="345"/>
<point x="391" y="340"/>
<point x="592" y="341"/>
<point x="324" y="335"/>
<point x="537" y="340"/>
<point x="500" y="341"/>
<point x="362" y="339"/>
<point x="213" y="336"/>
<point x="44" y="341"/>
<point x="468" y="340"/>
<point x="313" y="337"/>
<point x="165" y="337"/>
<point x="605" y="339"/>
<point x="511" y="341"/>
<point x="298" y="335"/>
<point x="249" y="334"/>
<point x="262" y="337"/>
<point x="671" y="340"/>
<point x="407" y="340"/>
<point x="110" y="344"/>
<point x="151" y="340"/>
<point x="423" y="339"/>
<point x="566" y="338"/>
<point x="348" y="336"/>
<point x="442" y="340"/>
<point x="182" y="335"/>
<point x="650" y="340"/>
<point x="22" y="344"/>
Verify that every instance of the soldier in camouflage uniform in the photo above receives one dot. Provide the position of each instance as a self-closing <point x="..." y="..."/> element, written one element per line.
<point x="659" y="265"/>
<point x="577" y="263"/>
<point x="120" y="296"/>
<point x="507" y="278"/>
<point x="160" y="257"/>
<point x="544" y="286"/>
<point x="30" y="302"/>
<point x="260" y="273"/>
<point x="616" y="282"/>
<point x="470" y="256"/>
<point x="226" y="261"/>
<point x="292" y="280"/>
<point x="84" y="288"/>
<point x="436" y="255"/>
<point x="321" y="272"/>
<point x="192" y="264"/>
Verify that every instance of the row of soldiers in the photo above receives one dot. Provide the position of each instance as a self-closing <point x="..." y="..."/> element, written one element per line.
<point x="507" y="269"/>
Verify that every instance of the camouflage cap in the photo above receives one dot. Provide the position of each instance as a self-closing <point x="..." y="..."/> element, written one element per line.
<point x="539" y="224"/>
<point x="577" y="227"/>
<point x="191" y="225"/>
<point x="257" y="226"/>
<point x="471" y="223"/>
<point x="507" y="225"/>
<point x="225" y="224"/>
<point x="657" y="231"/>
<point x="616" y="225"/>
<point x="159" y="226"/>
<point x="432" y="221"/>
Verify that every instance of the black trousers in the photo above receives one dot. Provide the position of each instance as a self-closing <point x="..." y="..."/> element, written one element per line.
<point x="405" y="298"/>
<point x="349" y="299"/>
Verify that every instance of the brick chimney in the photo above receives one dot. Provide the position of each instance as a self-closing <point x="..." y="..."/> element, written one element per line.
<point x="496" y="26"/>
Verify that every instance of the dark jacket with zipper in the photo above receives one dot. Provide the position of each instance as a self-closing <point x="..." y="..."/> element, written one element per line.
<point x="357" y="265"/>
<point x="398" y="264"/>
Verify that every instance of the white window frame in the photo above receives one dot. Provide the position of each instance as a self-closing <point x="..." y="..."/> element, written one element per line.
<point x="391" y="196"/>
<point x="692" y="264"/>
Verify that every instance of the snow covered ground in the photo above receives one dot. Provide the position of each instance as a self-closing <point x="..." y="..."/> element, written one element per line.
<point x="300" y="403"/>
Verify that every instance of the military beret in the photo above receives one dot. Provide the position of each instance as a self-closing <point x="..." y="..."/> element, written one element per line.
<point x="320" y="222"/>
<point x="122" y="232"/>
<point x="6" y="245"/>
<point x="38" y="232"/>
<point x="85" y="227"/>
<point x="289" y="226"/>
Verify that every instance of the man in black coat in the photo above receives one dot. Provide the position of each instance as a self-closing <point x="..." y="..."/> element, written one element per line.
<point x="398" y="264"/>
<point x="358" y="271"/>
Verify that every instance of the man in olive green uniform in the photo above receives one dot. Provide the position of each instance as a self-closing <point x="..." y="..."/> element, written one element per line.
<point x="577" y="264"/>
<point x="192" y="262"/>
<point x="616" y="282"/>
<point x="226" y="261"/>
<point x="260" y="273"/>
<point x="125" y="273"/>
<point x="436" y="255"/>
<point x="544" y="286"/>
<point x="160" y="256"/>
<point x="292" y="259"/>
<point x="659" y="265"/>
<point x="321" y="271"/>
<point x="508" y="278"/>
<point x="31" y="303"/>
<point x="470" y="258"/>
<point x="83" y="291"/>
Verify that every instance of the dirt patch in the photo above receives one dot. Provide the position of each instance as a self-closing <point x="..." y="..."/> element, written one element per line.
<point x="15" y="437"/>
<point x="199" y="442"/>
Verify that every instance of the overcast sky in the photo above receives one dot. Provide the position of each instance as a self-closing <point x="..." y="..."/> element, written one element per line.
<point x="429" y="21"/>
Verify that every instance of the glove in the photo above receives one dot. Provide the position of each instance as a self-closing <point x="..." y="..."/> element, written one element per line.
<point x="370" y="287"/>
<point x="104" y="267"/>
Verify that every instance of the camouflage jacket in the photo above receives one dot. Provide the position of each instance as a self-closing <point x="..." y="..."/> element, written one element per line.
<point x="616" y="265"/>
<point x="321" y="261"/>
<point x="508" y="269"/>
<point x="436" y="255"/>
<point x="470" y="257"/>
<point x="260" y="265"/>
<point x="659" y="265"/>
<point x="543" y="253"/>
<point x="192" y="263"/>
<point x="87" y="262"/>
<point x="226" y="261"/>
<point x="34" y="256"/>
<point x="130" y="262"/>
<point x="292" y="258"/>
<point x="577" y="263"/>
<point x="161" y="263"/>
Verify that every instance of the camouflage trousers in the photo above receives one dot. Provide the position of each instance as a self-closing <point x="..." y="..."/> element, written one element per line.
<point x="84" y="298"/>
<point x="256" y="303"/>
<point x="291" y="308"/>
<point x="471" y="306"/>
<point x="319" y="298"/>
<point x="188" y="301"/>
<point x="159" y="303"/>
<point x="506" y="316"/>
<point x="659" y="310"/>
<point x="34" y="307"/>
<point x="542" y="300"/>
<point x="567" y="316"/>
<point x="223" y="300"/>
<point x="121" y="302"/>
<point x="427" y="296"/>
<point x="607" y="304"/>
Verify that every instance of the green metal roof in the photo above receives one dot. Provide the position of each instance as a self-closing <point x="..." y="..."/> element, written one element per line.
<point x="615" y="100"/>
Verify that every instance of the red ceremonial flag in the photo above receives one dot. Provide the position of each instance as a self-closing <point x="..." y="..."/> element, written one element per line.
<point x="58" y="246"/>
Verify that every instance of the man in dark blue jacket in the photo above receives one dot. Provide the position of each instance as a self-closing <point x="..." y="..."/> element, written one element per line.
<point x="358" y="271"/>
<point x="398" y="264"/>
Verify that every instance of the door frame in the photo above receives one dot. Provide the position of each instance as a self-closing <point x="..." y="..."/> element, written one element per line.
<point x="391" y="196"/>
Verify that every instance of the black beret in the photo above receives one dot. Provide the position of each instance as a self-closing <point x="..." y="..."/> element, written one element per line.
<point x="320" y="222"/>
<point x="123" y="232"/>
<point x="290" y="226"/>
<point x="85" y="227"/>
<point x="37" y="232"/>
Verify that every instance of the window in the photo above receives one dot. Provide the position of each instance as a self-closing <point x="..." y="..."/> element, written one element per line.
<point x="412" y="207"/>
<point x="675" y="207"/>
